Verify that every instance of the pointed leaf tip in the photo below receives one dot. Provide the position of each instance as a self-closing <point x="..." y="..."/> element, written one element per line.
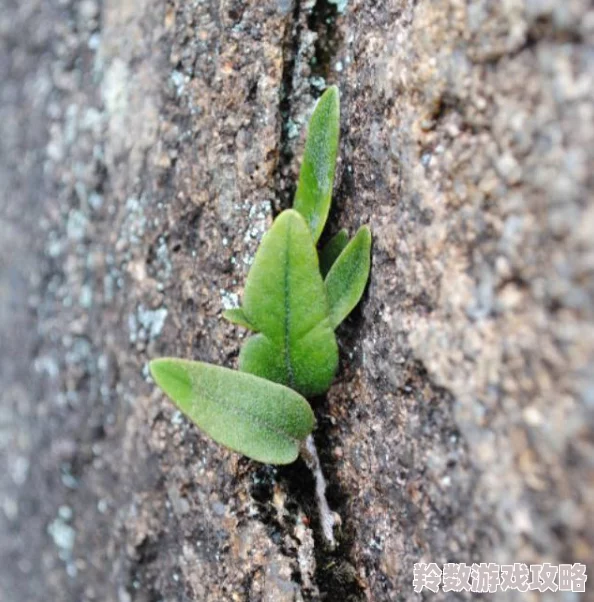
<point x="316" y="178"/>
<point x="172" y="377"/>
<point x="237" y="316"/>
<point x="346" y="280"/>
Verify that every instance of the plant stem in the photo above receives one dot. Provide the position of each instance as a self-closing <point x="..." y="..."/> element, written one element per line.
<point x="328" y="519"/>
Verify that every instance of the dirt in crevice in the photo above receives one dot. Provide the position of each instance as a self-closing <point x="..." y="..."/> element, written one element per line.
<point x="335" y="576"/>
<point x="322" y="21"/>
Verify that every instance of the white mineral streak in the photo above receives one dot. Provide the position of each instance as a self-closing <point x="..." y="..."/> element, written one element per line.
<point x="328" y="519"/>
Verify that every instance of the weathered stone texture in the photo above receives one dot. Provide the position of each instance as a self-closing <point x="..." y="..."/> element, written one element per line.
<point x="146" y="147"/>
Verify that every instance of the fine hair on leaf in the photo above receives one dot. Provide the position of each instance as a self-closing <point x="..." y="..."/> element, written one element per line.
<point x="293" y="300"/>
<point x="346" y="280"/>
<point x="286" y="302"/>
<point x="316" y="178"/>
<point x="260" y="419"/>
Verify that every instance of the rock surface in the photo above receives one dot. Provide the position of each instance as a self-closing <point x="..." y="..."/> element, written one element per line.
<point x="146" y="147"/>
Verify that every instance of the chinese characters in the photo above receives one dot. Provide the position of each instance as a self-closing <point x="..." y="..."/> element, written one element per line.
<point x="491" y="577"/>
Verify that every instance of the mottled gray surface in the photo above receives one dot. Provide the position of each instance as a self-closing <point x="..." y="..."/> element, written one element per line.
<point x="145" y="148"/>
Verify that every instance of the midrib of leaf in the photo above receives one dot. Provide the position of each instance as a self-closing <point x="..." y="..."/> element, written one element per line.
<point x="238" y="411"/>
<point x="287" y="287"/>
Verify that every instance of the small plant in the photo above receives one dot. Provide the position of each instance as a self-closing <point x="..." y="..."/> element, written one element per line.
<point x="293" y="301"/>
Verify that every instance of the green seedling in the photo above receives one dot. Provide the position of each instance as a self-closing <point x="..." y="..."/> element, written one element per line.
<point x="294" y="299"/>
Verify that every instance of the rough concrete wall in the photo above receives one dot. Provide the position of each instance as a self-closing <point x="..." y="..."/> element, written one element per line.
<point x="146" y="146"/>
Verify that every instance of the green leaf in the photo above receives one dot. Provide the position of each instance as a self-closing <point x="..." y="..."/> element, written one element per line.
<point x="314" y="191"/>
<point x="346" y="280"/>
<point x="286" y="302"/>
<point x="262" y="420"/>
<point x="332" y="249"/>
<point x="237" y="316"/>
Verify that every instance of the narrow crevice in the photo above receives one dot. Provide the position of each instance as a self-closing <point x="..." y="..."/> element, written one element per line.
<point x="263" y="481"/>
<point x="322" y="21"/>
<point x="336" y="577"/>
<point x="284" y="186"/>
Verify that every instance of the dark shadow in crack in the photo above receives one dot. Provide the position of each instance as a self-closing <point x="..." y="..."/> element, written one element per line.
<point x="336" y="576"/>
